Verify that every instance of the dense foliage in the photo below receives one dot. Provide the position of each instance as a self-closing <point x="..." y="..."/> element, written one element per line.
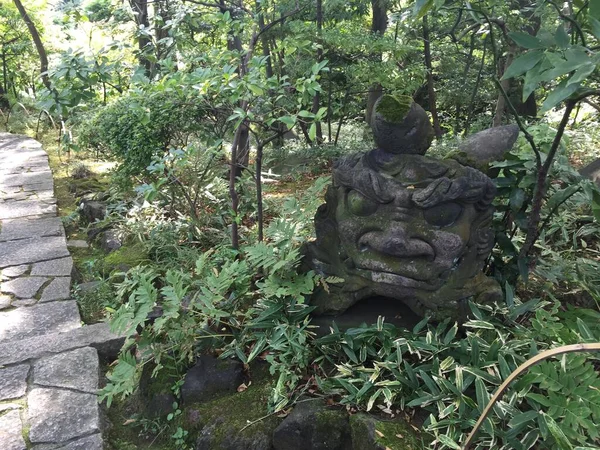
<point x="215" y="115"/>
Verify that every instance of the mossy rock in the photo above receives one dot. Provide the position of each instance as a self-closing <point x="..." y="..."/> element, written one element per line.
<point x="126" y="257"/>
<point x="218" y="423"/>
<point x="371" y="433"/>
<point x="313" y="425"/>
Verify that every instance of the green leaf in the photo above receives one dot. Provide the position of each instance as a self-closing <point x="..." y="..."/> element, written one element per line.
<point x="526" y="40"/>
<point x="522" y="418"/>
<point x="509" y="294"/>
<point x="422" y="7"/>
<point x="256" y="90"/>
<point x="560" y="93"/>
<point x="594" y="9"/>
<point x="447" y="441"/>
<point x="523" y="63"/>
<point x="581" y="74"/>
<point x="306" y="114"/>
<point x="290" y="121"/>
<point x="596" y="205"/>
<point x="584" y="330"/>
<point x="559" y="436"/>
<point x="561" y="37"/>
<point x="595" y="26"/>
<point x="312" y="131"/>
<point x="517" y="198"/>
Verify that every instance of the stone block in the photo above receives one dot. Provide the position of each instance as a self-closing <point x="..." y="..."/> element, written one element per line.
<point x="30" y="228"/>
<point x="77" y="369"/>
<point x="97" y="335"/>
<point x="22" y="323"/>
<point x="25" y="251"/>
<point x="11" y="431"/>
<point x="93" y="442"/>
<point x="57" y="268"/>
<point x="25" y="287"/>
<point x="13" y="382"/>
<point x="56" y="415"/>
<point x="25" y="208"/>
<point x="58" y="289"/>
<point x="15" y="271"/>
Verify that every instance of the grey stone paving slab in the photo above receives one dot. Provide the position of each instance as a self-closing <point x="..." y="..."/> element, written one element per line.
<point x="15" y="271"/>
<point x="58" y="289"/>
<point x="32" y="178"/>
<point x="4" y="301"/>
<point x="97" y="335"/>
<point x="24" y="251"/>
<point x="57" y="268"/>
<point x="93" y="442"/>
<point x="13" y="382"/>
<point x="30" y="228"/>
<point x="56" y="415"/>
<point x="25" y="287"/>
<point x="37" y="320"/>
<point x="77" y="369"/>
<point x="25" y="208"/>
<point x="11" y="431"/>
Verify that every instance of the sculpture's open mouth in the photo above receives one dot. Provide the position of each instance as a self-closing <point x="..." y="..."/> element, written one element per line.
<point x="394" y="278"/>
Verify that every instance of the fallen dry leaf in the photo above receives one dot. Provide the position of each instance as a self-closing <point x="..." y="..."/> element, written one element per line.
<point x="242" y="387"/>
<point x="379" y="433"/>
<point x="399" y="436"/>
<point x="128" y="421"/>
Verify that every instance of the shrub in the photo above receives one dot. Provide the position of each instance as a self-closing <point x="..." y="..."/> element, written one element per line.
<point x="142" y="125"/>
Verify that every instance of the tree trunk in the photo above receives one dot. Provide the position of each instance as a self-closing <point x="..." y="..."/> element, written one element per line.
<point x="38" y="44"/>
<point x="501" y="103"/>
<point x="378" y="26"/>
<point x="430" y="85"/>
<point x="140" y="9"/>
<point x="317" y="98"/>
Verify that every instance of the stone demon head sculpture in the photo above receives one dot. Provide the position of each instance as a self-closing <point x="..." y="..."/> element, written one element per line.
<point x="402" y="225"/>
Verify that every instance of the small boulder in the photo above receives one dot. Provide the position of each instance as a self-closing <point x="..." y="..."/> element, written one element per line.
<point x="211" y="376"/>
<point x="313" y="426"/>
<point x="91" y="210"/>
<point x="110" y="241"/>
<point x="592" y="171"/>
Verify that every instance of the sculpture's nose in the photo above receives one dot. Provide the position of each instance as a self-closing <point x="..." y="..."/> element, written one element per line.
<point x="396" y="242"/>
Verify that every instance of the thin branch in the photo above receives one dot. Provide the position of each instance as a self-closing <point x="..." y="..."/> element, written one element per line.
<point x="522" y="368"/>
<point x="570" y="20"/>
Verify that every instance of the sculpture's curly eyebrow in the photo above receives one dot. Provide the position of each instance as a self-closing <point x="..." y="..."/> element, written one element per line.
<point x="471" y="186"/>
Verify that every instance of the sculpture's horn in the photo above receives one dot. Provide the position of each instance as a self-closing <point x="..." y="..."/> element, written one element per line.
<point x="482" y="148"/>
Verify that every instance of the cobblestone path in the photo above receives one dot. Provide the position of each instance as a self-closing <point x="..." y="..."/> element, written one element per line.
<point x="49" y="364"/>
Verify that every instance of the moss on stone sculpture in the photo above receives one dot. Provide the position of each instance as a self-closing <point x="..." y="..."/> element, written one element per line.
<point x="394" y="108"/>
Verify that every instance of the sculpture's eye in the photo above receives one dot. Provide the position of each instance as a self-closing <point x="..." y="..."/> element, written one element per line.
<point x="442" y="215"/>
<point x="360" y="205"/>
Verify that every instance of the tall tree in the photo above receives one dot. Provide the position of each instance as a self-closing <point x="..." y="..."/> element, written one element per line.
<point x="430" y="83"/>
<point x="378" y="26"/>
<point x="37" y="40"/>
<point x="140" y="12"/>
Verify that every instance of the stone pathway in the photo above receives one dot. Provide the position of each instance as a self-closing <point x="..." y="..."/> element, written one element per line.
<point x="49" y="364"/>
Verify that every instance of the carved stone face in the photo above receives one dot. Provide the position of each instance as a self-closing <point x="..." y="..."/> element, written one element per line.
<point x="403" y="226"/>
